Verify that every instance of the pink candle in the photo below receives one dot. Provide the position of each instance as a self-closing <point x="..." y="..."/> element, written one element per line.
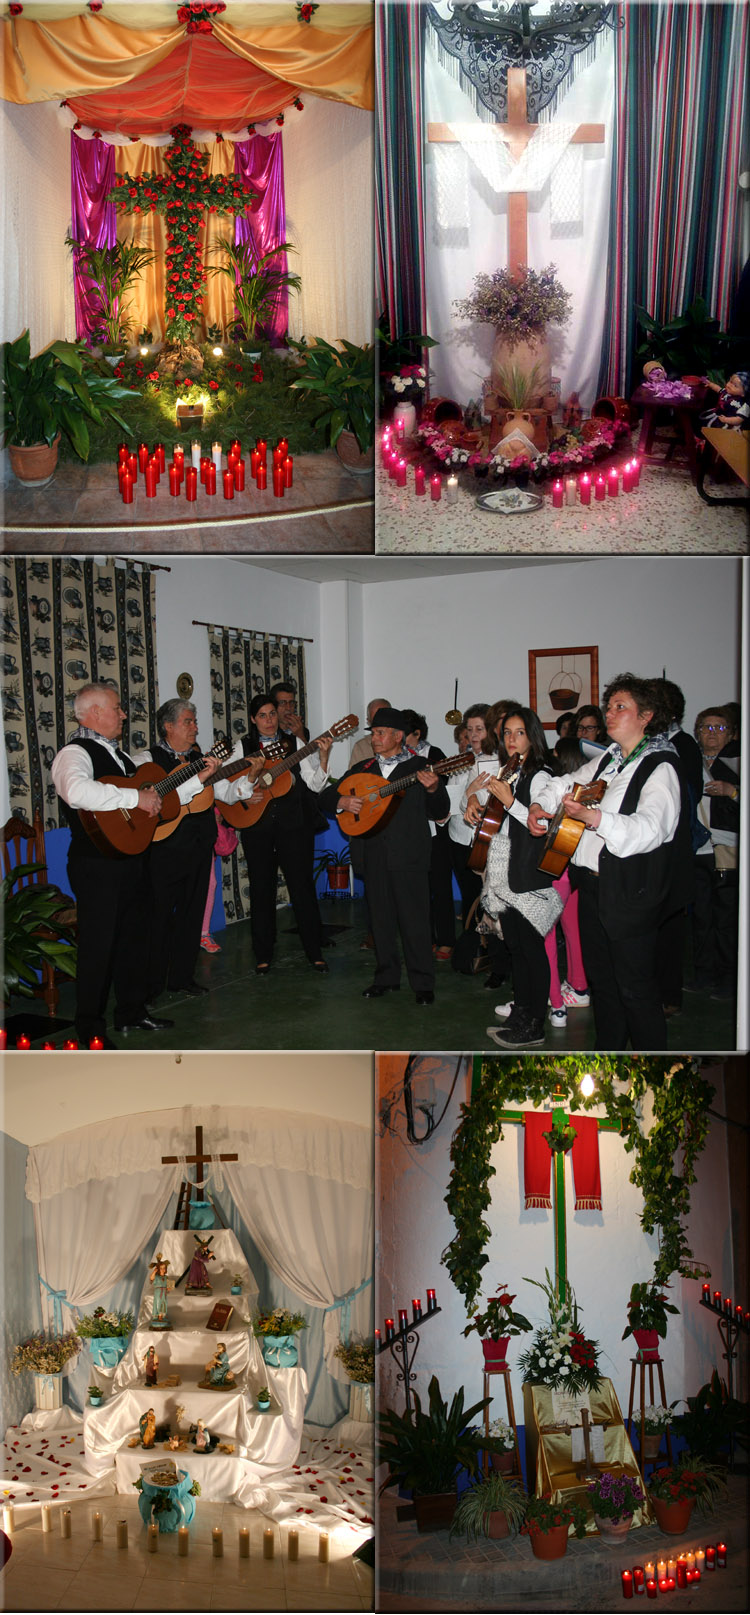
<point x="419" y="486"/>
<point x="228" y="484"/>
<point x="211" y="477"/>
<point x="627" y="477"/>
<point x="636" y="472"/>
<point x="401" y="474"/>
<point x="400" y="430"/>
<point x="262" y="475"/>
<point x="393" y="464"/>
<point x="239" y="476"/>
<point x="174" y="480"/>
<point x="150" y="480"/>
<point x="557" y="495"/>
<point x="385" y="448"/>
<point x="584" y="489"/>
<point x="126" y="485"/>
<point x="613" y="483"/>
<point x="278" y="481"/>
<point x="191" y="483"/>
<point x="600" y="490"/>
<point x="288" y="470"/>
<point x="435" y="486"/>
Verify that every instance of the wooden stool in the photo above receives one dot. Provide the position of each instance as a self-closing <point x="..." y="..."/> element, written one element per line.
<point x="489" y="1371"/>
<point x="649" y="1363"/>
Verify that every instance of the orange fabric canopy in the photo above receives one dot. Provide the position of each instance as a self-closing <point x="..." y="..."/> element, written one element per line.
<point x="201" y="83"/>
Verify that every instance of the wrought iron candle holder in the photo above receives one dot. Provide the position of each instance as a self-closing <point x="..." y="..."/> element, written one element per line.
<point x="731" y="1322"/>
<point x="403" y="1346"/>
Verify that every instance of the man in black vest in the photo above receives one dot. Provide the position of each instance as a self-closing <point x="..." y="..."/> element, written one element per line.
<point x="181" y="863"/>
<point x="396" y="862"/>
<point x="112" y="891"/>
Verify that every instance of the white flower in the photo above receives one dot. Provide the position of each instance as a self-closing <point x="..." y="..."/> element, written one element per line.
<point x="542" y="1362"/>
<point x="421" y="381"/>
<point x="564" y="1370"/>
<point x="399" y="386"/>
<point x="421" y="371"/>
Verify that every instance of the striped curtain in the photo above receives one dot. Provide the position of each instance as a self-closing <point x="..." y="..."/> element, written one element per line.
<point x="681" y="77"/>
<point x="243" y="665"/>
<point x="67" y="623"/>
<point x="399" y="165"/>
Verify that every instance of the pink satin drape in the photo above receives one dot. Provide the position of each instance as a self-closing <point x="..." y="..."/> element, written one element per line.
<point x="260" y="162"/>
<point x="94" y="219"/>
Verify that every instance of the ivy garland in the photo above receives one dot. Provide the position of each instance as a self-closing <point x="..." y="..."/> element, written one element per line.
<point x="681" y="1098"/>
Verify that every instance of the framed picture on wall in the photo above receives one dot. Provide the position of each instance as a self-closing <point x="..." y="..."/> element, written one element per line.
<point x="562" y="680"/>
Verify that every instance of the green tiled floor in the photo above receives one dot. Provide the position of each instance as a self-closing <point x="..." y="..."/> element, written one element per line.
<point x="296" y="1008"/>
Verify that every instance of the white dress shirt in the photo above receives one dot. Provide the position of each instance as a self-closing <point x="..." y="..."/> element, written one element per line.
<point x="653" y="823"/>
<point x="313" y="775"/>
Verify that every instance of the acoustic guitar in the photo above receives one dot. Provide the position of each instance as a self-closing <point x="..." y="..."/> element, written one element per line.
<point x="278" y="777"/>
<point x="491" y="820"/>
<point x="380" y="797"/>
<point x="564" y="833"/>
<point x="205" y="798"/>
<point x="131" y="830"/>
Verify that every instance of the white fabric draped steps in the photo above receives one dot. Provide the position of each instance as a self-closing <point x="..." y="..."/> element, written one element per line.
<point x="302" y="1185"/>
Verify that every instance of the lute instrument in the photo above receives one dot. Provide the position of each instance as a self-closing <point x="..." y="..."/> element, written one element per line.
<point x="205" y="798"/>
<point x="131" y="830"/>
<point x="380" y="797"/>
<point x="564" y="833"/>
<point x="492" y="817"/>
<point x="278" y="778"/>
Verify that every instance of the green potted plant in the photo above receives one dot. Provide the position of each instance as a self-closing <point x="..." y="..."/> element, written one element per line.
<point x="276" y="1331"/>
<point x="343" y="378"/>
<point x="674" y="1491"/>
<point x="496" y="1324"/>
<point x="425" y="1448"/>
<point x="35" y="933"/>
<point x="113" y="271"/>
<point x="647" y="1317"/>
<point x="656" y="1420"/>
<point x="692" y="345"/>
<point x="263" y="1398"/>
<point x="107" y="1334"/>
<point x="503" y="1461"/>
<point x="335" y="865"/>
<point x="520" y="308"/>
<point x="548" y="1525"/>
<point x="45" y="1356"/>
<point x="95" y="1395"/>
<point x="614" y="1500"/>
<point x="236" y="1285"/>
<point x="56" y="391"/>
<point x="403" y="374"/>
<point x="358" y="1358"/>
<point x="712" y="1420"/>
<point x="493" y="1508"/>
<point x="257" y="282"/>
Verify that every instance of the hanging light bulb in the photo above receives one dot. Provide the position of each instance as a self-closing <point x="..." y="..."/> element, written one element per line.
<point x="587" y="1085"/>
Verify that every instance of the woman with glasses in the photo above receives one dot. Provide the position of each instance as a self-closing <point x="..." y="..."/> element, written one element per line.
<point x="716" y="898"/>
<point x="590" y="724"/>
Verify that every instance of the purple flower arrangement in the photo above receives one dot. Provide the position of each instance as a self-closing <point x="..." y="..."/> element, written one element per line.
<point x="615" y="1497"/>
<point x="520" y="308"/>
<point x="669" y="392"/>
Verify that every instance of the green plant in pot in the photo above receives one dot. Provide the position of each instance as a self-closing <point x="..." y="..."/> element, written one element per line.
<point x="505" y="1435"/>
<point x="496" y="1325"/>
<point x="547" y="1525"/>
<point x="647" y="1316"/>
<point x="674" y="1492"/>
<point x="713" y="1420"/>
<point x="257" y="282"/>
<point x="95" y="1395"/>
<point x="692" y="344"/>
<point x="493" y="1508"/>
<point x="335" y="866"/>
<point x="113" y="272"/>
<point x="34" y="933"/>
<point x="614" y="1499"/>
<point x="343" y="379"/>
<point x="424" y="1449"/>
<point x="56" y="391"/>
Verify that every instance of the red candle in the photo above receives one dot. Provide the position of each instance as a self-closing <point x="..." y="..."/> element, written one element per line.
<point x="211" y="478"/>
<point x="613" y="483"/>
<point x="262" y="476"/>
<point x="142" y="456"/>
<point x="627" y="1584"/>
<point x="639" y="1580"/>
<point x="284" y="446"/>
<point x="228" y="484"/>
<point x="235" y="445"/>
<point x="651" y="1589"/>
<point x="133" y="465"/>
<point x="206" y="461"/>
<point x="150" y="480"/>
<point x="385" y="449"/>
<point x="153" y="462"/>
<point x="727" y="1303"/>
<point x="600" y="488"/>
<point x="664" y="1585"/>
<point x="288" y="470"/>
<point x="416" y="1310"/>
<point x="636" y="472"/>
<point x="710" y="1558"/>
<point x="402" y="1318"/>
<point x="584" y="489"/>
<point x="682" y="1571"/>
<point x="717" y="1299"/>
<point x="431" y="1301"/>
<point x="126" y="485"/>
<point x="558" y="493"/>
<point x="706" y="1291"/>
<point x="278" y="481"/>
<point x="419" y="479"/>
<point x="401" y="474"/>
<point x="174" y="480"/>
<point x="178" y="453"/>
<point x="122" y="453"/>
<point x="393" y="464"/>
<point x="738" y="1311"/>
<point x="390" y="1328"/>
<point x="278" y="455"/>
<point x="721" y="1555"/>
<point x="627" y="477"/>
<point x="191" y="482"/>
<point x="160" y="452"/>
<point x="436" y="489"/>
<point x="96" y="1043"/>
<point x="254" y="462"/>
<point x="696" y="1575"/>
<point x="70" y="1043"/>
<point x="262" y="447"/>
<point x="232" y="458"/>
<point x="378" y="1337"/>
<point x="239" y="475"/>
<point x="3" y="1037"/>
<point x="48" y="1045"/>
<point x="23" y="1041"/>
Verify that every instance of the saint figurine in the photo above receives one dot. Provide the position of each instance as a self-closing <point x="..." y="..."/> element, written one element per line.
<point x="198" y="1274"/>
<point x="151" y="1365"/>
<point x="202" y="1439"/>
<point x="147" y="1427"/>
<point x="162" y="1285"/>
<point x="218" y="1371"/>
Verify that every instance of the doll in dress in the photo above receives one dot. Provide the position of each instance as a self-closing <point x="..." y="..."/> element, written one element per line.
<point x="732" y="407"/>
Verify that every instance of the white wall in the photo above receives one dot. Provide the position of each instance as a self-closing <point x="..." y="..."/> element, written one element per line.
<point x="644" y="615"/>
<point x="35" y="264"/>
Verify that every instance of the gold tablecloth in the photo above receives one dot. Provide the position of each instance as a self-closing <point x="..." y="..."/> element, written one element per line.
<point x="549" y="1452"/>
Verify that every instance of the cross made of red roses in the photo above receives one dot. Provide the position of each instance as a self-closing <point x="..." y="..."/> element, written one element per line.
<point x="181" y="195"/>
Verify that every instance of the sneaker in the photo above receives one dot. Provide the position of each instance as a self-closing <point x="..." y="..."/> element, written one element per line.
<point x="519" y="1032"/>
<point x="209" y="946"/>
<point x="443" y="954"/>
<point x="573" y="999"/>
<point x="502" y="1011"/>
<point x="558" y="1017"/>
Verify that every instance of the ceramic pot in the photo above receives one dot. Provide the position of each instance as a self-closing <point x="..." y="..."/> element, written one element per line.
<point x="351" y="456"/>
<point x="34" y="465"/>
<point x="497" y="1525"/>
<point x="338" y="877"/>
<point x="496" y="1351"/>
<point x="107" y="1351"/>
<point x="612" y="1531"/>
<point x="94" y="1401"/>
<point x="235" y="1289"/>
<point x="647" y="1341"/>
<point x="672" y="1518"/>
<point x="48" y="1391"/>
<point x="551" y="1544"/>
<point x="169" y="1507"/>
<point x="435" y="1510"/>
<point x="522" y="356"/>
<point x="502" y="1462"/>
<point x="651" y="1445"/>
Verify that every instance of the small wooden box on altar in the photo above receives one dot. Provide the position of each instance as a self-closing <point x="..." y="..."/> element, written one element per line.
<point x="189" y="415"/>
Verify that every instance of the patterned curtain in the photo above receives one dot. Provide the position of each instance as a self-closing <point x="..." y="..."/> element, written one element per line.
<point x="681" y="76"/>
<point x="243" y="665"/>
<point x="399" y="165"/>
<point x="67" y="623"/>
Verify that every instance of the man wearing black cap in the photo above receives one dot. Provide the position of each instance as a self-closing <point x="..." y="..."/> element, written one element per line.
<point x="396" y="860"/>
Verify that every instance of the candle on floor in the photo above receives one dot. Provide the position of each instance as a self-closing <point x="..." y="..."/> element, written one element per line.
<point x="254" y="462"/>
<point x="235" y="446"/>
<point x="400" y="478"/>
<point x="195" y="453"/>
<point x="153" y="461"/>
<point x="178" y="454"/>
<point x="122" y="453"/>
<point x="239" y="476"/>
<point x="435" y="486"/>
<point x="244" y="1542"/>
<point x="628" y="476"/>
<point x="261" y="445"/>
<point x="721" y="1555"/>
<point x="228" y="484"/>
<point x="324" y="1548"/>
<point x="211" y="478"/>
<point x="393" y="460"/>
<point x="97" y="1525"/>
<point x="627" y="1584"/>
<point x="419" y="483"/>
<point x="690" y="1560"/>
<point x="191" y="482"/>
<point x="700" y="1559"/>
<point x="584" y="489"/>
<point x="206" y="461"/>
<point x="96" y="1043"/>
<point x="288" y="470"/>
<point x="613" y="482"/>
<point x="23" y="1041"/>
<point x="661" y="1569"/>
<point x="636" y="464"/>
<point x="142" y="456"/>
<point x="292" y="1544"/>
<point x="600" y="487"/>
<point x="278" y="481"/>
<point x="152" y="1538"/>
<point x="400" y="429"/>
<point x="261" y="479"/>
<point x="46" y="1518"/>
<point x="268" y="1542"/>
<point x="216" y="455"/>
<point x="649" y="1569"/>
<point x="132" y="464"/>
<point x="710" y="1558"/>
<point x="283" y="444"/>
<point x="681" y="1571"/>
<point x="557" y="495"/>
<point x="175" y="478"/>
<point x="278" y="455"/>
<point x="9" y="1519"/>
<point x="121" y="1533"/>
<point x="66" y="1528"/>
<point x="570" y="490"/>
<point x="217" y="1542"/>
<point x="639" y="1580"/>
<point x="149" y="477"/>
<point x="160" y="451"/>
<point x="671" y="1567"/>
<point x="651" y="1589"/>
<point x="183" y="1541"/>
<point x="451" y="491"/>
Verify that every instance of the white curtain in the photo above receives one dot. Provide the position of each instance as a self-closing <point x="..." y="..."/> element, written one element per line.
<point x="476" y="238"/>
<point x="89" y="1237"/>
<point x="328" y="179"/>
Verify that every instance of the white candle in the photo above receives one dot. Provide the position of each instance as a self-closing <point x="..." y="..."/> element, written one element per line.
<point x="292" y="1544"/>
<point x="97" y="1526"/>
<point x="324" y="1547"/>
<point x="268" y="1542"/>
<point x="121" y="1533"/>
<point x="570" y="490"/>
<point x="244" y="1542"/>
<point x="700" y="1560"/>
<point x="65" y="1525"/>
<point x="46" y="1517"/>
<point x="451" y="491"/>
<point x="153" y="1538"/>
<point x="215" y="455"/>
<point x="217" y="1542"/>
<point x="195" y="453"/>
<point x="691" y="1561"/>
<point x="9" y="1519"/>
<point x="183" y="1541"/>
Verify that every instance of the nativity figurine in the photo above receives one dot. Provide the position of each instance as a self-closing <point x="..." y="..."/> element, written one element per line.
<point x="151" y="1366"/>
<point x="198" y="1274"/>
<point x="218" y="1371"/>
<point x="147" y="1427"/>
<point x="161" y="1285"/>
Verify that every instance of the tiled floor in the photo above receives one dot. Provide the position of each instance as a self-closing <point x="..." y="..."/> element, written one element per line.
<point x="328" y="510"/>
<point x="47" y="1573"/>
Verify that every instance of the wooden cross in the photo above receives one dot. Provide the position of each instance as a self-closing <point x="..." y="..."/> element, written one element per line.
<point x="515" y="134"/>
<point x="198" y="1160"/>
<point x="589" y="1468"/>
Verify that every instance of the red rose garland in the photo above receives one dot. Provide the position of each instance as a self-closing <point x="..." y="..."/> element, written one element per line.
<point x="305" y="12"/>
<point x="197" y="18"/>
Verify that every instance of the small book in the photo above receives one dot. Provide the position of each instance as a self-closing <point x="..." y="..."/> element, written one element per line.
<point x="221" y="1312"/>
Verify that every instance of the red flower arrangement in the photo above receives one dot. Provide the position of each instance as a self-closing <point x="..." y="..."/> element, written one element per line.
<point x="214" y="385"/>
<point x="305" y="12"/>
<point x="153" y="375"/>
<point x="676" y="1485"/>
<point x="95" y="5"/>
<point x="280" y="119"/>
<point x="257" y="372"/>
<point x="197" y="18"/>
<point x="15" y="11"/>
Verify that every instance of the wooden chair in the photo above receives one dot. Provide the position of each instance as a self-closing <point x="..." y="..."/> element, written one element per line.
<point x="24" y="843"/>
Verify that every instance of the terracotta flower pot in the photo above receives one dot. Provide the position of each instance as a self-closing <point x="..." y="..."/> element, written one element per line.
<point x="612" y="1531"/>
<point x="651" y="1445"/>
<point x="498" y="1525"/>
<point x="34" y="465"/>
<point x="672" y="1518"/>
<point x="338" y="877"/>
<point x="552" y="1544"/>
<point x="434" y="1510"/>
<point x="496" y="1351"/>
<point x="351" y="456"/>
<point x="502" y="1462"/>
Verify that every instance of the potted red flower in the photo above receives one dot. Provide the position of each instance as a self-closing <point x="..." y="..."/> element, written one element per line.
<point x="548" y="1524"/>
<point x="647" y="1319"/>
<point x="496" y="1325"/>
<point x="674" y="1492"/>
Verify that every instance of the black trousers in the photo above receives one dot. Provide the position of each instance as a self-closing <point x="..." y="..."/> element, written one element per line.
<point x="441" y="890"/>
<point x="469" y="882"/>
<point x="715" y="921"/>
<point x="268" y="847"/>
<point x="529" y="962"/>
<point x="399" y="903"/>
<point x="113" y="900"/>
<point x="622" y="975"/>
<point x="180" y="873"/>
